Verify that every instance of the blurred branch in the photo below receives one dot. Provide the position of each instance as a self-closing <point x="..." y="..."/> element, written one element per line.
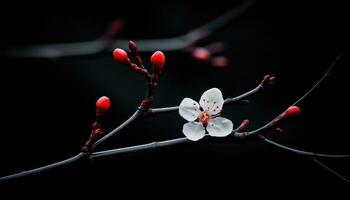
<point x="107" y="45"/>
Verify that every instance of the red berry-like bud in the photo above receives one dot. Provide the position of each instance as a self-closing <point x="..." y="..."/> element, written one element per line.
<point x="292" y="111"/>
<point x="103" y="104"/>
<point x="158" y="61"/>
<point x="120" y="56"/>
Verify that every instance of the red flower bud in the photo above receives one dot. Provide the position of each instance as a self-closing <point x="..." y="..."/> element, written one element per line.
<point x="243" y="125"/>
<point x="158" y="61"/>
<point x="103" y="104"/>
<point x="120" y="56"/>
<point x="292" y="111"/>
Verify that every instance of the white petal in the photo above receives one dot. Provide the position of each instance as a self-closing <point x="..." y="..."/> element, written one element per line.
<point x="193" y="131"/>
<point x="219" y="127"/>
<point x="212" y="101"/>
<point x="189" y="109"/>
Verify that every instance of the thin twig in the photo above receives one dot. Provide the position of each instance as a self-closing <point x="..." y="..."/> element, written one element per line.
<point x="301" y="152"/>
<point x="331" y="170"/>
<point x="245" y="95"/>
<point x="98" y="46"/>
<point x="136" y="115"/>
<point x="44" y="168"/>
<point x="163" y="110"/>
<point x="273" y="122"/>
<point x="311" y="154"/>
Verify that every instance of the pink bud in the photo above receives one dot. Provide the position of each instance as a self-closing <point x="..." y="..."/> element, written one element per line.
<point x="268" y="80"/>
<point x="158" y="61"/>
<point x="201" y="54"/>
<point x="103" y="104"/>
<point x="220" y="61"/>
<point x="244" y="124"/>
<point x="120" y="56"/>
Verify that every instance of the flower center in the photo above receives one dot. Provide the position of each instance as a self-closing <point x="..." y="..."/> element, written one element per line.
<point x="204" y="117"/>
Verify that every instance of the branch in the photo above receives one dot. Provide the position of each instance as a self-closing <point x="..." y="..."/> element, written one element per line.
<point x="311" y="154"/>
<point x="301" y="152"/>
<point x="280" y="116"/>
<point x="331" y="170"/>
<point x="44" y="168"/>
<point x="136" y="115"/>
<point x="138" y="148"/>
<point x="158" y="60"/>
<point x="245" y="95"/>
<point x="156" y="145"/>
<point x="227" y="101"/>
<point x="100" y="45"/>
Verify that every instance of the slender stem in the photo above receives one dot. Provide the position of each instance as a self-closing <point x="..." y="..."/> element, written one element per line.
<point x="98" y="46"/>
<point x="245" y="95"/>
<point x="311" y="154"/>
<point x="321" y="79"/>
<point x="163" y="110"/>
<point x="136" y="115"/>
<point x="304" y="153"/>
<point x="44" y="168"/>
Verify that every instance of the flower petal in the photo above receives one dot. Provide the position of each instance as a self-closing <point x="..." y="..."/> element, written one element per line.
<point x="212" y="101"/>
<point x="219" y="127"/>
<point x="193" y="131"/>
<point x="189" y="109"/>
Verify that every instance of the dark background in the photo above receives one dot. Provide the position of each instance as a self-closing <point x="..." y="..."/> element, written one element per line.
<point x="48" y="105"/>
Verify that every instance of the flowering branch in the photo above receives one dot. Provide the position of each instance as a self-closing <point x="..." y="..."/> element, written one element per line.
<point x="158" y="61"/>
<point x="292" y="111"/>
<point x="102" y="106"/>
<point x="239" y="98"/>
<point x="209" y="118"/>
<point x="288" y="112"/>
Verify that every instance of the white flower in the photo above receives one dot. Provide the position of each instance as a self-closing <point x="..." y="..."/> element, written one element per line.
<point x="206" y="117"/>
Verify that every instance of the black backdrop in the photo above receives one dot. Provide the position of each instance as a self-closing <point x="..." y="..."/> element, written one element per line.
<point x="48" y="105"/>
